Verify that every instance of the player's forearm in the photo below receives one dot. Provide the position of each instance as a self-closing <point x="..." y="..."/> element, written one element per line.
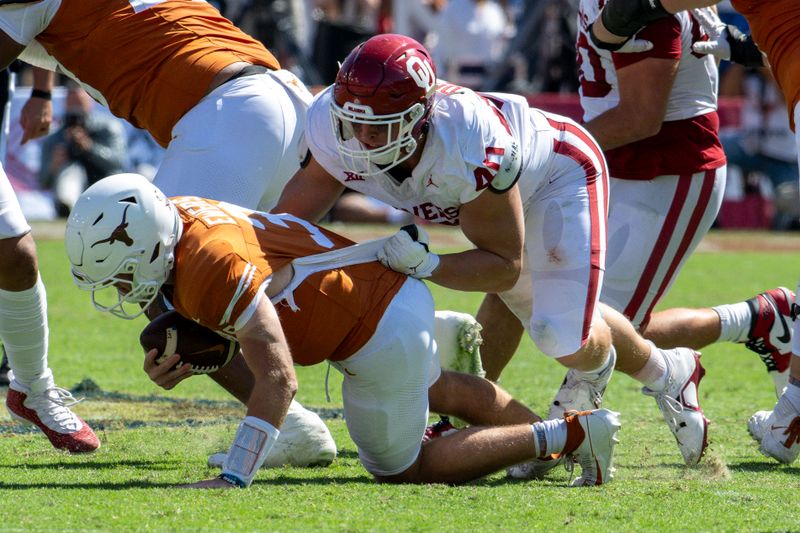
<point x="614" y="128"/>
<point x="476" y="270"/>
<point x="43" y="80"/>
<point x="621" y="19"/>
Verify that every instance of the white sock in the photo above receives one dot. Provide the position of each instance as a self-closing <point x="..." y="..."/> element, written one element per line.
<point x="653" y="374"/>
<point x="549" y="436"/>
<point x="734" y="321"/>
<point x="592" y="375"/>
<point x="23" y="330"/>
<point x="792" y="395"/>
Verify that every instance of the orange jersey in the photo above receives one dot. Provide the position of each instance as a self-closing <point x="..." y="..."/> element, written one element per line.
<point x="153" y="63"/>
<point x="226" y="254"/>
<point x="775" y="26"/>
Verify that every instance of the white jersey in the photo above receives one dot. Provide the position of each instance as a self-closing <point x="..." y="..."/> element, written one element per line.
<point x="694" y="91"/>
<point x="466" y="140"/>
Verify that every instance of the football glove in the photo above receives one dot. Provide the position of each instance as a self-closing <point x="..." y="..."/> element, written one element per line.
<point x="407" y="251"/>
<point x="726" y="41"/>
<point x="625" y="18"/>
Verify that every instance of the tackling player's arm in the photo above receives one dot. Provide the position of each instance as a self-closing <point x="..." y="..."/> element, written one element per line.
<point x="642" y="103"/>
<point x="311" y="192"/>
<point x="621" y="19"/>
<point x="494" y="224"/>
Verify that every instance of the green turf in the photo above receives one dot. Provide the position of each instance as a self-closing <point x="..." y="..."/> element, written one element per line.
<point x="153" y="440"/>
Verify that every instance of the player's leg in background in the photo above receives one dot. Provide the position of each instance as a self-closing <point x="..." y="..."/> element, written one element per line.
<point x="32" y="396"/>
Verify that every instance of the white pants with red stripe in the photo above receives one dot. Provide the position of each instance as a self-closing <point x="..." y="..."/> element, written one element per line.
<point x="557" y="293"/>
<point x="653" y="227"/>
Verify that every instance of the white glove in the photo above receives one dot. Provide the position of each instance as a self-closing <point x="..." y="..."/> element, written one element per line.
<point x="717" y="43"/>
<point x="726" y="41"/>
<point x="409" y="254"/>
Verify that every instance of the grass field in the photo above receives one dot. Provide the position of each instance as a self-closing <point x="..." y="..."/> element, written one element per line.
<point x="153" y="440"/>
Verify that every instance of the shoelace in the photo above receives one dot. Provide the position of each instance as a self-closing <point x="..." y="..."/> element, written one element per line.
<point x="668" y="403"/>
<point x="57" y="405"/>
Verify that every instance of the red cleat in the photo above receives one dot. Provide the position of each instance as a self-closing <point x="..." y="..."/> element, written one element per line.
<point x="50" y="412"/>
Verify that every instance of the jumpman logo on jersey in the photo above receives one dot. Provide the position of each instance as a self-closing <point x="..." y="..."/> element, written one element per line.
<point x="120" y="233"/>
<point x="430" y="182"/>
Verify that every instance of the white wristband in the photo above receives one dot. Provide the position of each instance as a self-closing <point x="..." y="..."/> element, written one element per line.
<point x="254" y="440"/>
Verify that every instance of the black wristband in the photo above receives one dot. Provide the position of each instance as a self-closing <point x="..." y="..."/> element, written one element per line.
<point x="626" y="17"/>
<point x="44" y="95"/>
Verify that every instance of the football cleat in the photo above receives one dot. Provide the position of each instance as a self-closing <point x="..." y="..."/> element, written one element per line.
<point x="757" y="425"/>
<point x="458" y="341"/>
<point x="580" y="394"/>
<point x="595" y="449"/>
<point x="777" y="432"/>
<point x="304" y="440"/>
<point x="679" y="403"/>
<point x="535" y="469"/>
<point x="441" y="428"/>
<point x="50" y="411"/>
<point x="770" y="334"/>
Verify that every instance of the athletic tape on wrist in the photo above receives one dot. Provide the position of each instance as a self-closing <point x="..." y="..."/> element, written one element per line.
<point x="254" y="439"/>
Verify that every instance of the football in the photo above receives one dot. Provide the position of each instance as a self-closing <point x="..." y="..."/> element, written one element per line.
<point x="204" y="349"/>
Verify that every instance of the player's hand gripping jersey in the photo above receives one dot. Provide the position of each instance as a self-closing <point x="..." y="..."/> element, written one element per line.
<point x="687" y="141"/>
<point x="162" y="44"/>
<point x="475" y="142"/>
<point x="225" y="260"/>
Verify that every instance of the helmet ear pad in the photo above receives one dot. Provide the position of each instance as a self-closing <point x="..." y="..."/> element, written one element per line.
<point x="122" y="233"/>
<point x="388" y="80"/>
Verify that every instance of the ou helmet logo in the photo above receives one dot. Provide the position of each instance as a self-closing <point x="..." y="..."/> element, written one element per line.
<point x="421" y="72"/>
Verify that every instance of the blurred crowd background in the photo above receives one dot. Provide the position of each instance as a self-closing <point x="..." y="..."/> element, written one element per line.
<point x="519" y="46"/>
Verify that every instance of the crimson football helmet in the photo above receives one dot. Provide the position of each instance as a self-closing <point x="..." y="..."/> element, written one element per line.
<point x="387" y="81"/>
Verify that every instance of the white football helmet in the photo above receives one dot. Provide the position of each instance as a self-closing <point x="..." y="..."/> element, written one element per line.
<point x="120" y="238"/>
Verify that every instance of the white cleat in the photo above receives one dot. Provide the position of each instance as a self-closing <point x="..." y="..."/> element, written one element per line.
<point x="304" y="440"/>
<point x="778" y="432"/>
<point x="596" y="450"/>
<point x="536" y="469"/>
<point x="757" y="425"/>
<point x="580" y="394"/>
<point x="458" y="341"/>
<point x="680" y="405"/>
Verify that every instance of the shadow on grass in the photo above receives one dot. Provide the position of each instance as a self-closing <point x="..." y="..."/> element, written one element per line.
<point x="364" y="479"/>
<point x="765" y="466"/>
<point x="94" y="465"/>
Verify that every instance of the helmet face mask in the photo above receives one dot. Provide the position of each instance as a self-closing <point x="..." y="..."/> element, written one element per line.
<point x="400" y="141"/>
<point x="120" y="239"/>
<point x="387" y="81"/>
